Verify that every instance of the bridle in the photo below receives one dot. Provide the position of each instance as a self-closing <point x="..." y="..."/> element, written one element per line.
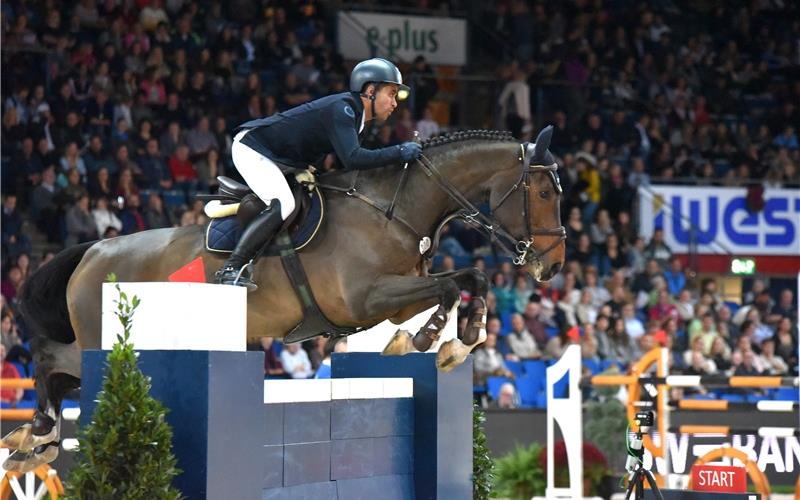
<point x="521" y="250"/>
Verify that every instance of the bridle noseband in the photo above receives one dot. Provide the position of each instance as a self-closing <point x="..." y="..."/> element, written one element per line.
<point x="521" y="249"/>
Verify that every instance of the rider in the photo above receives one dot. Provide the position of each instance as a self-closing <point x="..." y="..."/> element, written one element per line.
<point x="266" y="149"/>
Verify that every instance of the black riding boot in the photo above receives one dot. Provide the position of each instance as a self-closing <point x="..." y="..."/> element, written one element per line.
<point x="237" y="269"/>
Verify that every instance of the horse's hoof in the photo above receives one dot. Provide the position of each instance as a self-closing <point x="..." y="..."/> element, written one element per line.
<point x="19" y="439"/>
<point x="22" y="462"/>
<point x="451" y="354"/>
<point x="26" y="461"/>
<point x="399" y="345"/>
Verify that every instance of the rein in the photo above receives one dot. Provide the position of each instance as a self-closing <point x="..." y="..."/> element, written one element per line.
<point x="520" y="249"/>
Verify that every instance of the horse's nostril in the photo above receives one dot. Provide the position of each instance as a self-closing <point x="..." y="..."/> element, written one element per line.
<point x="555" y="268"/>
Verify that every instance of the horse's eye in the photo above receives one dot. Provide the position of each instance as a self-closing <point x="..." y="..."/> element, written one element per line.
<point x="544" y="194"/>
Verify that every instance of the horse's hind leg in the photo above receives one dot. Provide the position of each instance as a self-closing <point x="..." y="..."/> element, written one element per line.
<point x="57" y="373"/>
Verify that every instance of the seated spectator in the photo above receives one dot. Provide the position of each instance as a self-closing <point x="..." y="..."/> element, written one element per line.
<point x="664" y="308"/>
<point x="208" y="168"/>
<point x="720" y="354"/>
<point x="507" y="397"/>
<point x="95" y="156"/>
<point x="14" y="240"/>
<point x="786" y="342"/>
<point x="324" y="370"/>
<point x="72" y="188"/>
<point x="522" y="293"/>
<point x="600" y="229"/>
<point x="9" y="332"/>
<point x="599" y="293"/>
<point x="685" y="305"/>
<point x="489" y="361"/>
<point x="427" y="126"/>
<point x="556" y="346"/>
<point x="131" y="215"/>
<point x="104" y="217"/>
<point x="520" y="340"/>
<point x="586" y="311"/>
<point x="125" y="184"/>
<point x="676" y="279"/>
<point x="295" y="361"/>
<point x="534" y="322"/>
<point x="123" y="162"/>
<point x="172" y="137"/>
<point x="618" y="347"/>
<point x="633" y="325"/>
<point x="273" y="368"/>
<point x="502" y="293"/>
<point x="8" y="397"/>
<point x="100" y="184"/>
<point x="749" y="366"/>
<point x="155" y="173"/>
<point x="72" y="159"/>
<point x="182" y="170"/>
<point x="786" y="307"/>
<point x="81" y="226"/>
<point x="201" y="139"/>
<point x="773" y="365"/>
<point x="155" y="217"/>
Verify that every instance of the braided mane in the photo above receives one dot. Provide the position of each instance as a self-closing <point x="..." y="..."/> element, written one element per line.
<point x="466" y="135"/>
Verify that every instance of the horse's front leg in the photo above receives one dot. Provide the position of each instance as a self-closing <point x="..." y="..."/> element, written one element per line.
<point x="390" y="294"/>
<point x="475" y="281"/>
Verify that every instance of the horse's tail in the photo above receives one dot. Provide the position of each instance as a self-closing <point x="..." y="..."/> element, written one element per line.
<point x="43" y="298"/>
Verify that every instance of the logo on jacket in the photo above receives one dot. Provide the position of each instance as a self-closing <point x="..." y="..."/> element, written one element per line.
<point x="349" y="111"/>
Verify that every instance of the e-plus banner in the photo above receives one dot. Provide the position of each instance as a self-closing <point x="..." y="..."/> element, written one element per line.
<point x="441" y="40"/>
<point x="718" y="220"/>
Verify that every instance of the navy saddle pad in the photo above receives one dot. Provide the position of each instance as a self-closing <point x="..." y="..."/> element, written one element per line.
<point x="222" y="234"/>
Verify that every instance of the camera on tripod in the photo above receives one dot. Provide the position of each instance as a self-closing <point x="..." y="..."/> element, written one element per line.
<point x="638" y="474"/>
<point x="645" y="420"/>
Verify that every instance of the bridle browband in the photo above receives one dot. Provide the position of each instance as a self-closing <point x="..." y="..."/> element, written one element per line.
<point x="520" y="249"/>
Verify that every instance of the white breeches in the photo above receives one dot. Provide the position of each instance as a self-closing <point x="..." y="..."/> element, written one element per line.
<point x="262" y="175"/>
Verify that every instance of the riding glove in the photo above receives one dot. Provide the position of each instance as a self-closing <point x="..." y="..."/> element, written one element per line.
<point x="410" y="151"/>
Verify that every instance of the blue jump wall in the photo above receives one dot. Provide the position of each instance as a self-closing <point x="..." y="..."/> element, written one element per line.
<point x="229" y="444"/>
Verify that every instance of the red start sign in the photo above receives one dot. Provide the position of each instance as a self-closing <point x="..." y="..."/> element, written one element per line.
<point x="719" y="478"/>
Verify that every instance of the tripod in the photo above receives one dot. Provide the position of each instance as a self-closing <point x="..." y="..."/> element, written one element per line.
<point x="635" y="465"/>
<point x="637" y="484"/>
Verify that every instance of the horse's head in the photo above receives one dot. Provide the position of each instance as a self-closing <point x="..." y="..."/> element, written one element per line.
<point x="530" y="209"/>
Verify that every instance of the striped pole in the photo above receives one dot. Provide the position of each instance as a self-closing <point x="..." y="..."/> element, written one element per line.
<point x="696" y="380"/>
<point x="727" y="430"/>
<point x="724" y="405"/>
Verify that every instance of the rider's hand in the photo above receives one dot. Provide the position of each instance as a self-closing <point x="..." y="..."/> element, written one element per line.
<point x="410" y="151"/>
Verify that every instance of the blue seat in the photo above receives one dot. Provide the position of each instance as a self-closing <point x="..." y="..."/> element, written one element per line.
<point x="516" y="368"/>
<point x="551" y="331"/>
<point x="503" y="346"/>
<point x="535" y="369"/>
<point x="787" y="394"/>
<point x="733" y="306"/>
<point x="755" y="398"/>
<point x="505" y="323"/>
<point x="733" y="398"/>
<point x="493" y="385"/>
<point x="528" y="389"/>
<point x="593" y="365"/>
<point x="173" y="198"/>
<point x="701" y="396"/>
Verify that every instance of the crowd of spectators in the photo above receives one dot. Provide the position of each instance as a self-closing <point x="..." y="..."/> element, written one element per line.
<point x="115" y="113"/>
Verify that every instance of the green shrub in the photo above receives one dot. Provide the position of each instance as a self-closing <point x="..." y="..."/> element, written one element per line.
<point x="126" y="450"/>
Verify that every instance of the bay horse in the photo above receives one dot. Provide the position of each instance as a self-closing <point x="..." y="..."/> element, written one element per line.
<point x="363" y="267"/>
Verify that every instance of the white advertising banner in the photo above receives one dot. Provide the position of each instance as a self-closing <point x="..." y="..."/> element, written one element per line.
<point x="720" y="221"/>
<point x="441" y="40"/>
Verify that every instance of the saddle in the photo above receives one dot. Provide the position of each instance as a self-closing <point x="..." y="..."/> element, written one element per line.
<point x="235" y="206"/>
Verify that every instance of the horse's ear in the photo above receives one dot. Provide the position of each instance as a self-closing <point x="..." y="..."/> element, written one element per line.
<point x="542" y="143"/>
